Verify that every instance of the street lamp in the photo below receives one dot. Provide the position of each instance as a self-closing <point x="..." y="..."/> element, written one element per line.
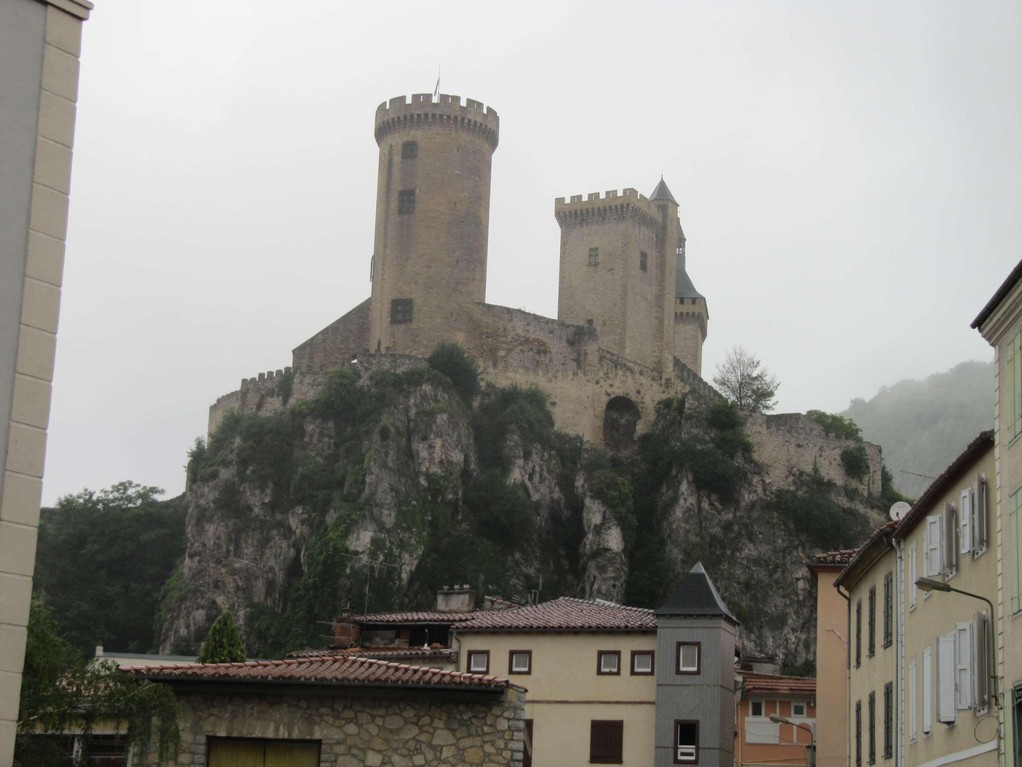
<point x="931" y="584"/>
<point x="811" y="748"/>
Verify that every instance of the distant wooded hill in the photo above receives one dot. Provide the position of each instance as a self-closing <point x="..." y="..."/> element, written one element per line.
<point x="923" y="425"/>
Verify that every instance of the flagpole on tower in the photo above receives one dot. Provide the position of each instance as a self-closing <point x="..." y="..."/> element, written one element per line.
<point x="436" y="90"/>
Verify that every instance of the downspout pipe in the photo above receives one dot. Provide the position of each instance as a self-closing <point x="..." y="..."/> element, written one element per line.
<point x="848" y="670"/>
<point x="899" y="658"/>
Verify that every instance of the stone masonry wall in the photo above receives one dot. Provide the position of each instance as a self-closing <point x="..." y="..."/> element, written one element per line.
<point x="408" y="729"/>
<point x="791" y="443"/>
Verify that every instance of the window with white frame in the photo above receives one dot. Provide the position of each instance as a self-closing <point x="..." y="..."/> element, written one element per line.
<point x="479" y="661"/>
<point x="688" y="658"/>
<point x="963" y="666"/>
<point x="933" y="560"/>
<point x="686" y="741"/>
<point x="927" y="688"/>
<point x="608" y="662"/>
<point x="965" y="520"/>
<point x="912" y="725"/>
<point x="642" y="662"/>
<point x="946" y="672"/>
<point x="519" y="662"/>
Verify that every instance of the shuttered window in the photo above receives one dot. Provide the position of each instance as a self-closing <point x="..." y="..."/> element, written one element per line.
<point x="606" y="740"/>
<point x="888" y="720"/>
<point x="933" y="560"/>
<point x="871" y="634"/>
<point x="965" y="519"/>
<point x="946" y="672"/>
<point x="927" y="698"/>
<point x="858" y="733"/>
<point x="888" y="609"/>
<point x="981" y="670"/>
<point x="913" y="573"/>
<point x="1015" y="534"/>
<point x="963" y="666"/>
<point x="1012" y="386"/>
<point x="858" y="633"/>
<point x="912" y="700"/>
<point x="979" y="516"/>
<point x="871" y="719"/>
<point x="949" y="532"/>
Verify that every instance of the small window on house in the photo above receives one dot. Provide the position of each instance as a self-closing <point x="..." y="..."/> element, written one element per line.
<point x="888" y="609"/>
<point x="858" y="633"/>
<point x="608" y="662"/>
<point x="858" y="733"/>
<point x="798" y="709"/>
<point x="642" y="663"/>
<point x="871" y="720"/>
<point x="686" y="742"/>
<point x="688" y="658"/>
<point x="594" y="256"/>
<point x="400" y="311"/>
<point x="979" y="516"/>
<point x="479" y="661"/>
<point x="888" y="720"/>
<point x="871" y="633"/>
<point x="643" y="261"/>
<point x="409" y="150"/>
<point x="606" y="741"/>
<point x="933" y="560"/>
<point x="755" y="708"/>
<point x="406" y="201"/>
<point x="519" y="662"/>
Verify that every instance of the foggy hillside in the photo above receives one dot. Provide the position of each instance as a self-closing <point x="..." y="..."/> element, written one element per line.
<point x="923" y="425"/>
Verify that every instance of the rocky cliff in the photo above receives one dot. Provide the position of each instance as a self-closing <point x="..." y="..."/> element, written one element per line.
<point x="387" y="485"/>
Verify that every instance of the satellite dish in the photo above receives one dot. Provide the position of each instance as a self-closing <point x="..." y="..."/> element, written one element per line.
<point x="899" y="510"/>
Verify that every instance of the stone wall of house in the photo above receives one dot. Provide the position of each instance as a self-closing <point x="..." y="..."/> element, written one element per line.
<point x="403" y="729"/>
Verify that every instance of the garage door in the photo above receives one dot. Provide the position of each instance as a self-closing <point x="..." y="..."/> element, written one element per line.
<point x="239" y="752"/>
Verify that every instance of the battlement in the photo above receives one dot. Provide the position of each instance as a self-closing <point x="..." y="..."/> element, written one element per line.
<point x="269" y="375"/>
<point x="627" y="203"/>
<point x="446" y="111"/>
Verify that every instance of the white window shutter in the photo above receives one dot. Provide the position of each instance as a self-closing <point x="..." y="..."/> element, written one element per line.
<point x="963" y="666"/>
<point x="933" y="563"/>
<point x="979" y="516"/>
<point x="965" y="522"/>
<point x="913" y="573"/>
<point x="981" y="662"/>
<point x="912" y="699"/>
<point x="927" y="690"/>
<point x="946" y="670"/>
<point x="948" y="535"/>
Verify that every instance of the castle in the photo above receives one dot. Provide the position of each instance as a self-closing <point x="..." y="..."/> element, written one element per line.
<point x="630" y="324"/>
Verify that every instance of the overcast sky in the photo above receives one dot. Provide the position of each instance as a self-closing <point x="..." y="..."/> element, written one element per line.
<point x="849" y="175"/>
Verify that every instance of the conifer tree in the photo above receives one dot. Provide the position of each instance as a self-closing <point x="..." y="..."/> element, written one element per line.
<point x="223" y="643"/>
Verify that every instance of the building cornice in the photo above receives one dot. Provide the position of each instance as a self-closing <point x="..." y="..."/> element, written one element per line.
<point x="79" y="8"/>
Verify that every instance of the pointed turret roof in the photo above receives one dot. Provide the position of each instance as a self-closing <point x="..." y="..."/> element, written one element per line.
<point x="662" y="193"/>
<point x="697" y="597"/>
<point x="683" y="287"/>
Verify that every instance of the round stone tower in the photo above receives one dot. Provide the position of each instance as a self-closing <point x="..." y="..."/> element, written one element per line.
<point x="432" y="220"/>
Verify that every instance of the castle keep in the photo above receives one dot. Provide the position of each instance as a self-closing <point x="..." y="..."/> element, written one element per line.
<point x="630" y="324"/>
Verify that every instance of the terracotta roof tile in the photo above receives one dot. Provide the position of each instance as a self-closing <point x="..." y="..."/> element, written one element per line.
<point x="385" y="652"/>
<point x="342" y="671"/>
<point x="564" y="614"/>
<point x="414" y="617"/>
<point x="794" y="685"/>
<point x="840" y="558"/>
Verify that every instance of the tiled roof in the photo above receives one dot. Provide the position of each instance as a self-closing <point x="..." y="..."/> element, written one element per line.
<point x="874" y="547"/>
<point x="411" y="618"/>
<point x="832" y="558"/>
<point x="387" y="652"/>
<point x="564" y="614"/>
<point x="329" y="671"/>
<point x="758" y="683"/>
<point x="697" y="596"/>
<point x="999" y="295"/>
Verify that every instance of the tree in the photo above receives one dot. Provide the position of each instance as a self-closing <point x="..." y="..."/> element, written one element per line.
<point x="455" y="363"/>
<point x="60" y="693"/>
<point x="223" y="643"/>
<point x="742" y="378"/>
<point x="127" y="542"/>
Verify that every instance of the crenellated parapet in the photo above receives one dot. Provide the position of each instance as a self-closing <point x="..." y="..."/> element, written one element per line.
<point x="446" y="111"/>
<point x="611" y="205"/>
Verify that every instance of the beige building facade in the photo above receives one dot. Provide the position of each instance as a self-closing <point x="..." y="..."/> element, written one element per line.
<point x="832" y="632"/>
<point x="40" y="45"/>
<point x="1000" y="323"/>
